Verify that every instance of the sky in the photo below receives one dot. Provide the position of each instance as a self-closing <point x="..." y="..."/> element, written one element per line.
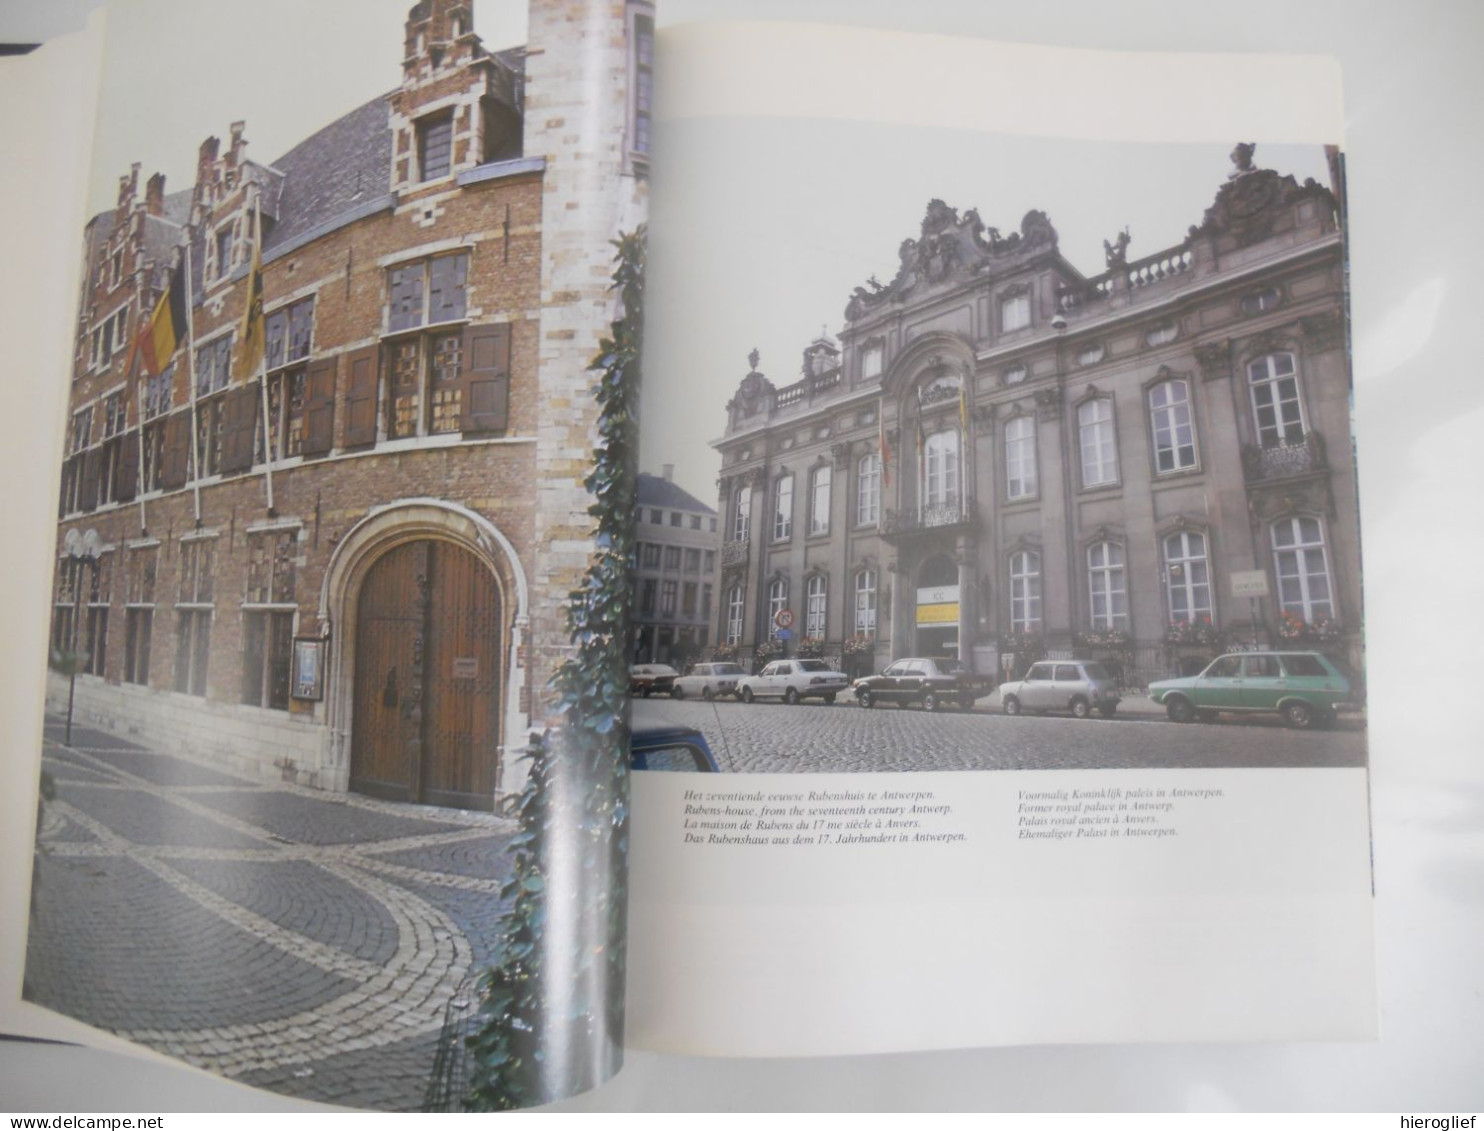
<point x="293" y="67"/>
<point x="760" y="230"/>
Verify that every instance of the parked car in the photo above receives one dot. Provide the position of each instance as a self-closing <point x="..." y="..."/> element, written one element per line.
<point x="792" y="680"/>
<point x="1304" y="687"/>
<point x="709" y="680"/>
<point x="647" y="679"/>
<point x="929" y="682"/>
<point x="1078" y="686"/>
<point x="671" y="748"/>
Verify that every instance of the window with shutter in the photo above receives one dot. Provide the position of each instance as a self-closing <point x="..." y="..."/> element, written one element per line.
<point x="88" y="495"/>
<point x="319" y="408"/>
<point x="486" y="380"/>
<point x="360" y="398"/>
<point x="239" y="424"/>
<point x="175" y="451"/>
<point x="126" y="470"/>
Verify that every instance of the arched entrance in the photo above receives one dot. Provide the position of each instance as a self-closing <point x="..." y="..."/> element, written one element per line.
<point x="937" y="607"/>
<point x="428" y="677"/>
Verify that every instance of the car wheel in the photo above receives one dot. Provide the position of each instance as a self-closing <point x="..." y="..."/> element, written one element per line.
<point x="1011" y="705"/>
<point x="677" y="692"/>
<point x="830" y="698"/>
<point x="1298" y="715"/>
<point x="791" y="697"/>
<point x="648" y="691"/>
<point x="966" y="703"/>
<point x="1179" y="710"/>
<point x="707" y="694"/>
<point x="929" y="701"/>
<point x="1107" y="712"/>
<point x="747" y="695"/>
<point x="1080" y="709"/>
<point x="865" y="699"/>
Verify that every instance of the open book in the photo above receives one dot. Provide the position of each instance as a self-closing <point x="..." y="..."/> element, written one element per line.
<point x="1047" y="551"/>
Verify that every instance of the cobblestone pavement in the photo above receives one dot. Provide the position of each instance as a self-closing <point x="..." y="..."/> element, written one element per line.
<point x="291" y="939"/>
<point x="812" y="738"/>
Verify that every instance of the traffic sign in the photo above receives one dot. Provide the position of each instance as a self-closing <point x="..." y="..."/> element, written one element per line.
<point x="784" y="618"/>
<point x="785" y="635"/>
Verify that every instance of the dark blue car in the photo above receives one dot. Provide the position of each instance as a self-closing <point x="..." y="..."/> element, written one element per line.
<point x="671" y="748"/>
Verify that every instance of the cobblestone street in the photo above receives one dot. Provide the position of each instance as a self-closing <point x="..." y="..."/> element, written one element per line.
<point x="811" y="738"/>
<point x="291" y="939"/>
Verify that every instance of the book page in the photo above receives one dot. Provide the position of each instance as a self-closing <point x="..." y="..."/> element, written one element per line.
<point x="315" y="415"/>
<point x="1018" y="393"/>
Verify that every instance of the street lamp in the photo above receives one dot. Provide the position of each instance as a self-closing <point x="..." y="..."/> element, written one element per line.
<point x="80" y="549"/>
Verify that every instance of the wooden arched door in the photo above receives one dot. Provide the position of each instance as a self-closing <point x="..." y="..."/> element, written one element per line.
<point x="427" y="678"/>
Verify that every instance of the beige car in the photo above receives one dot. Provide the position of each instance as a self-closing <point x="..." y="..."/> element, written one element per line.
<point x="1078" y="687"/>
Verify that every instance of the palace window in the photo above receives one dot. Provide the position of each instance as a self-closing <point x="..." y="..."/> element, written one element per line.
<point x="706" y="592"/>
<point x="736" y="606"/>
<point x="865" y="603"/>
<point x="1174" y="427"/>
<point x="693" y="561"/>
<point x="783" y="508"/>
<point x="1275" y="400"/>
<point x="868" y="490"/>
<point x="669" y="590"/>
<point x="742" y="514"/>
<point x="777" y="602"/>
<point x="871" y="358"/>
<point x="1025" y="591"/>
<point x="940" y="488"/>
<point x="110" y="457"/>
<point x="672" y="557"/>
<point x="1016" y="374"/>
<point x="1020" y="458"/>
<point x="158" y="394"/>
<point x="651" y="555"/>
<point x="708" y="561"/>
<point x="1015" y="312"/>
<point x="1187" y="578"/>
<point x="1269" y="298"/>
<point x="1162" y="334"/>
<point x="1091" y="354"/>
<point x="647" y="596"/>
<point x="1303" y="569"/>
<point x="688" y="599"/>
<point x="1107" y="587"/>
<point x="193" y="616"/>
<point x="1098" y="442"/>
<point x="819" y="501"/>
<point x="817" y="604"/>
<point x="288" y="336"/>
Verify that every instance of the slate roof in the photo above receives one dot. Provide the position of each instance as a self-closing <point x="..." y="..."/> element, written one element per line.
<point x="341" y="167"/>
<point x="655" y="491"/>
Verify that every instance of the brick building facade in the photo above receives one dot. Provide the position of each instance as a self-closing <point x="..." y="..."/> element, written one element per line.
<point x="345" y="567"/>
<point x="1002" y="457"/>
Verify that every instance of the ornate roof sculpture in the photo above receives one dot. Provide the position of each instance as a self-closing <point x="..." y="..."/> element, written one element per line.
<point x="949" y="248"/>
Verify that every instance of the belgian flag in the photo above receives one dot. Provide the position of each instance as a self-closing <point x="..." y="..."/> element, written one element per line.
<point x="162" y="334"/>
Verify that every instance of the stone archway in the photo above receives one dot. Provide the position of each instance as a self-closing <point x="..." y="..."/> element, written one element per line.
<point x="471" y="628"/>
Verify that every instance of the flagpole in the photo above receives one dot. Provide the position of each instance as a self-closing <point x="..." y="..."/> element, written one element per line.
<point x="190" y="304"/>
<point x="139" y="471"/>
<point x="253" y="278"/>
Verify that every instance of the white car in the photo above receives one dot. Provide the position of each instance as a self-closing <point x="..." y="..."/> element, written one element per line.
<point x="708" y="681"/>
<point x="792" y="680"/>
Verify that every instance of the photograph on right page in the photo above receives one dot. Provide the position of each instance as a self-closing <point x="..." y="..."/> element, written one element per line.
<point x="996" y="452"/>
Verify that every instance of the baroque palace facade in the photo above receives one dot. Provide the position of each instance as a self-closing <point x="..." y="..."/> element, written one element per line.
<point x="1002" y="458"/>
<point x="346" y="567"/>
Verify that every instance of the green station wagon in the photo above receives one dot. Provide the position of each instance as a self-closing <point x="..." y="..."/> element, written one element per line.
<point x="1303" y="687"/>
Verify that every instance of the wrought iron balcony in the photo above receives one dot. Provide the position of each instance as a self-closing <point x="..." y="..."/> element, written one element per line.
<point x="1282" y="461"/>
<point x="925" y="520"/>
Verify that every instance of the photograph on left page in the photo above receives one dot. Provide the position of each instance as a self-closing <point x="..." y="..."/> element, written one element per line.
<point x="334" y="772"/>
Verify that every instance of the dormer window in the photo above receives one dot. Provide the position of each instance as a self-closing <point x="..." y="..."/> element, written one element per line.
<point x="435" y="146"/>
<point x="1015" y="310"/>
<point x="116" y="268"/>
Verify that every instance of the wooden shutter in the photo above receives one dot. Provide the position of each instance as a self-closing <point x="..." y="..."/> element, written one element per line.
<point x="176" y="451"/>
<point x="88" y="497"/>
<point x="360" y="397"/>
<point x="485" y="403"/>
<point x="126" y="467"/>
<point x="319" y="408"/>
<point x="239" y="422"/>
